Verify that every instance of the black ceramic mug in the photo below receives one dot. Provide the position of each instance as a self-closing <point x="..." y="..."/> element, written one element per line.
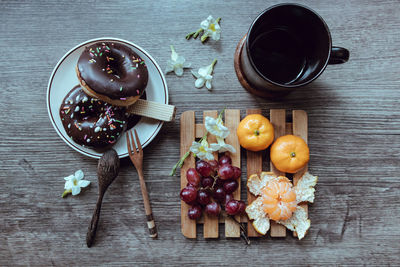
<point x="287" y="46"/>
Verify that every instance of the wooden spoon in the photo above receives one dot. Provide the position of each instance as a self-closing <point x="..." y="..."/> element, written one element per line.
<point x="107" y="171"/>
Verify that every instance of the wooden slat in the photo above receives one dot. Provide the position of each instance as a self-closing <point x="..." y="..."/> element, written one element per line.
<point x="278" y="120"/>
<point x="187" y="133"/>
<point x="254" y="165"/>
<point x="155" y="110"/>
<point x="232" y="119"/>
<point x="200" y="130"/>
<point x="210" y="222"/>
<point x="300" y="128"/>
<point x="289" y="128"/>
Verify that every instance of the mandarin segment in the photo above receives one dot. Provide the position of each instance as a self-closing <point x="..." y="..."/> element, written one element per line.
<point x="279" y="199"/>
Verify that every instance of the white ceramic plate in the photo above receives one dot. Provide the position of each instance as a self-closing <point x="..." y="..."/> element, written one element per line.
<point x="64" y="78"/>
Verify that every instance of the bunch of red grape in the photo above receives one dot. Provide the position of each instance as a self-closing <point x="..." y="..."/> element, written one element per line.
<point x="211" y="185"/>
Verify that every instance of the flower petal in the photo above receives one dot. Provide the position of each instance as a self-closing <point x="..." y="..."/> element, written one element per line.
<point x="209" y="156"/>
<point x="208" y="84"/>
<point x="68" y="184"/>
<point x="79" y="174"/>
<point x="76" y="190"/>
<point x="83" y="183"/>
<point x="199" y="82"/>
<point x="205" y="24"/>
<point x="174" y="56"/>
<point x="180" y="60"/>
<point x="215" y="147"/>
<point x="178" y="71"/>
<point x="201" y="155"/>
<point x="227" y="147"/>
<point x="216" y="36"/>
<point x="186" y="64"/>
<point x="204" y="71"/>
<point x="195" y="74"/>
<point x="69" y="177"/>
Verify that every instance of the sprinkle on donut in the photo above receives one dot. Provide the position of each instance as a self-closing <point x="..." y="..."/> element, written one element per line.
<point x="91" y="122"/>
<point x="112" y="72"/>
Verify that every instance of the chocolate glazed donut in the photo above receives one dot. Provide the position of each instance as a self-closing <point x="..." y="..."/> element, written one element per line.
<point x="112" y="72"/>
<point x="91" y="122"/>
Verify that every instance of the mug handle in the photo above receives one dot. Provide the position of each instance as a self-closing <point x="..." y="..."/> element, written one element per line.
<point x="339" y="55"/>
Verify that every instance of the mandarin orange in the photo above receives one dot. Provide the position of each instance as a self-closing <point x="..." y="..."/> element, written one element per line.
<point x="279" y="199"/>
<point x="289" y="153"/>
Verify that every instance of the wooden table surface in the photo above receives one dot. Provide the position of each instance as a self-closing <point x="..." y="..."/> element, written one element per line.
<point x="354" y="138"/>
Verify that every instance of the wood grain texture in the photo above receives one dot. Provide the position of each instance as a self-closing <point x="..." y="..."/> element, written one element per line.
<point x="254" y="166"/>
<point x="300" y="128"/>
<point x="354" y="138"/>
<point x="232" y="119"/>
<point x="187" y="133"/>
<point x="210" y="222"/>
<point x="278" y="120"/>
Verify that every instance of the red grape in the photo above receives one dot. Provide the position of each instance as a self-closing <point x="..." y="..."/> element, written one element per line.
<point x="213" y="209"/>
<point x="234" y="207"/>
<point x="219" y="194"/>
<point x="214" y="165"/>
<point x="203" y="168"/>
<point x="228" y="197"/>
<point x="242" y="207"/>
<point x="237" y="172"/>
<point x="193" y="177"/>
<point x="194" y="212"/>
<point x="225" y="159"/>
<point x="189" y="194"/>
<point x="207" y="182"/>
<point x="203" y="197"/>
<point x="219" y="182"/>
<point x="225" y="172"/>
<point x="230" y="186"/>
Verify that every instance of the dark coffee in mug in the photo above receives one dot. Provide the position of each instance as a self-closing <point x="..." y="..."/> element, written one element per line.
<point x="286" y="47"/>
<point x="279" y="55"/>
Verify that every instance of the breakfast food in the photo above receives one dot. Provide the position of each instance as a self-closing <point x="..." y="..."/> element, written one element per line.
<point x="289" y="153"/>
<point x="255" y="132"/>
<point x="90" y="121"/>
<point x="112" y="72"/>
<point x="207" y="190"/>
<point x="279" y="200"/>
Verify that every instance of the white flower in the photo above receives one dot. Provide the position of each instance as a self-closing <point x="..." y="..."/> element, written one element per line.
<point x="177" y="63"/>
<point x="216" y="127"/>
<point x="74" y="183"/>
<point x="204" y="76"/>
<point x="221" y="146"/>
<point x="211" y="28"/>
<point x="202" y="150"/>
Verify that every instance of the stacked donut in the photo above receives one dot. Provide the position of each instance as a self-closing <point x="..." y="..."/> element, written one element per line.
<point x="111" y="76"/>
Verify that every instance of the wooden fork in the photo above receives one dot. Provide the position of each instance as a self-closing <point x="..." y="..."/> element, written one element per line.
<point x="136" y="156"/>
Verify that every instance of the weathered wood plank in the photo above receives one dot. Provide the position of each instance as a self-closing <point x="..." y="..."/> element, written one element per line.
<point x="210" y="222"/>
<point x="188" y="131"/>
<point x="300" y="128"/>
<point x="278" y="120"/>
<point x="254" y="166"/>
<point x="232" y="119"/>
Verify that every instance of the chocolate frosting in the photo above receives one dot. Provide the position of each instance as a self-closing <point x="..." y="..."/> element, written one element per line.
<point x="113" y="69"/>
<point x="91" y="122"/>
